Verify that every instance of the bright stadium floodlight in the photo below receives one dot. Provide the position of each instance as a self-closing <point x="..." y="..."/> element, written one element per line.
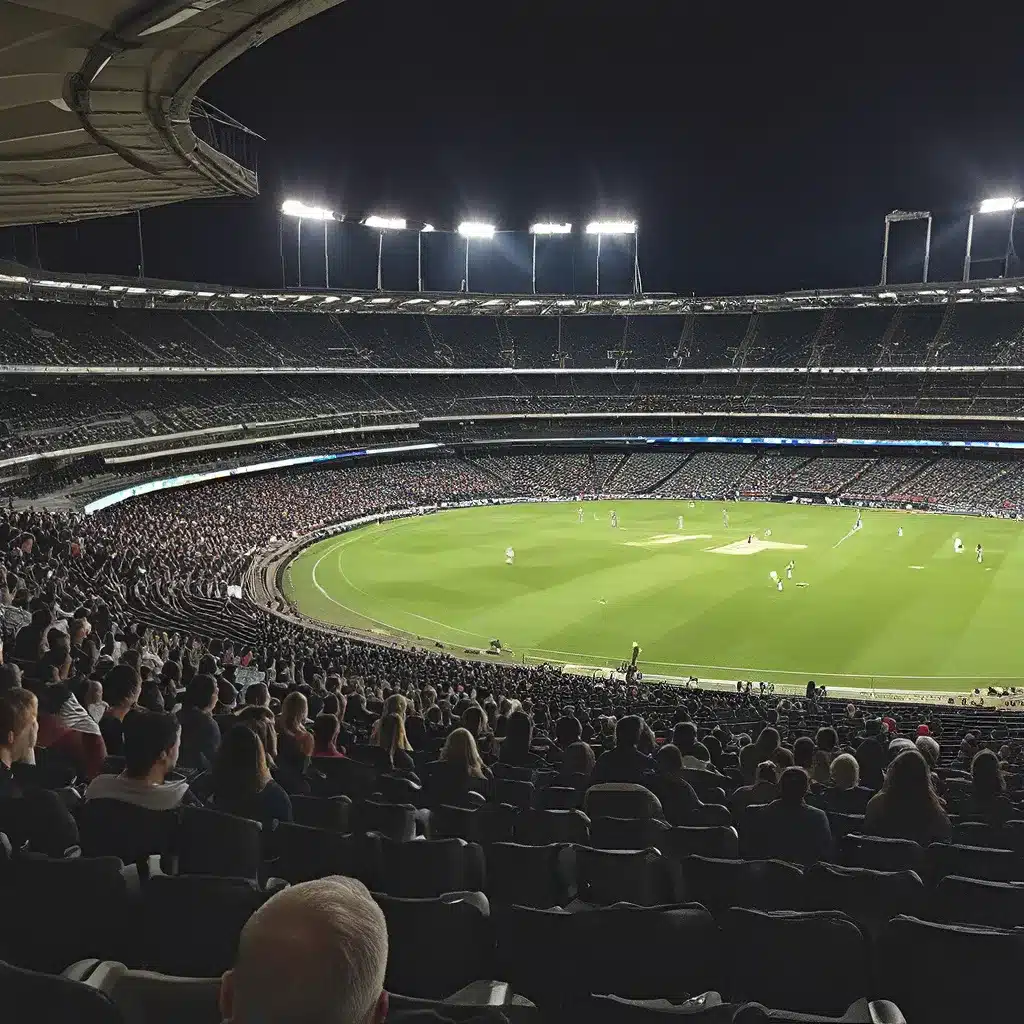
<point x="543" y="228"/>
<point x="382" y="224"/>
<point x="615" y="227"/>
<point x="419" y="254"/>
<point x="997" y="204"/>
<point x="302" y="211"/>
<point x="470" y="229"/>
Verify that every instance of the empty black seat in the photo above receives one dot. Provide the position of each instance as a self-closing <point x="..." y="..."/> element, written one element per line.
<point x="881" y="853"/>
<point x="974" y="862"/>
<point x="430" y="867"/>
<point x="720" y="883"/>
<point x="559" y="798"/>
<point x="626" y="833"/>
<point x="305" y="853"/>
<point x="115" y="828"/>
<point x="704" y="840"/>
<point x="870" y="897"/>
<point x="643" y="877"/>
<point x="534" y="876"/>
<point x="213" y="843"/>
<point x="517" y="792"/>
<point x="322" y="812"/>
<point x="959" y="900"/>
<point x="395" y="821"/>
<point x="541" y="827"/>
<point x="31" y="995"/>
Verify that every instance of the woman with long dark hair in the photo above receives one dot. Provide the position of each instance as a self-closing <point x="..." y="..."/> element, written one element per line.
<point x="241" y="781"/>
<point x="907" y="807"/>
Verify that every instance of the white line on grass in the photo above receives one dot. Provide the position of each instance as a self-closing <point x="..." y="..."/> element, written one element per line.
<point x="847" y="537"/>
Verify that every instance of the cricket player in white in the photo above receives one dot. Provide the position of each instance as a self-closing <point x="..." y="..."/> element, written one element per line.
<point x="789" y="569"/>
<point x="680" y="522"/>
<point x="958" y="545"/>
<point x="510" y="556"/>
<point x="579" y="514"/>
<point x="979" y="551"/>
<point x="899" y="532"/>
<point x="725" y="518"/>
<point x="615" y="520"/>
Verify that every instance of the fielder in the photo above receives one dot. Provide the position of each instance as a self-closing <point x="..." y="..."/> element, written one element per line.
<point x="899" y="532"/>
<point x="725" y="518"/>
<point x="958" y="546"/>
<point x="615" y="520"/>
<point x="789" y="569"/>
<point x="579" y="514"/>
<point x="510" y="556"/>
<point x="979" y="551"/>
<point x="680" y="522"/>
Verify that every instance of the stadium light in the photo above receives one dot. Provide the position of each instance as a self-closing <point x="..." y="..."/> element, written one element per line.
<point x="303" y="211"/>
<point x="543" y="228"/>
<point x="614" y="227"/>
<point x="419" y="254"/>
<point x="382" y="224"/>
<point x="898" y="217"/>
<point x="470" y="229"/>
<point x="997" y="204"/>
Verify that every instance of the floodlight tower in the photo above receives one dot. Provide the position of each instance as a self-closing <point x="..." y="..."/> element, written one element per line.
<point x="473" y="229"/>
<point x="613" y="227"/>
<point x="419" y="254"/>
<point x="1001" y="204"/>
<point x="896" y="217"/>
<point x="545" y="228"/>
<point x="383" y="224"/>
<point x="302" y="211"/>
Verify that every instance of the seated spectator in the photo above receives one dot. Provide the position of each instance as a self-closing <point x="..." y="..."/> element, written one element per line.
<point x="389" y="752"/>
<point x="825" y="742"/>
<point x="872" y="756"/>
<point x="695" y="755"/>
<point x="28" y="814"/>
<point x="68" y="731"/>
<point x="677" y="796"/>
<point x="314" y="952"/>
<point x="791" y="830"/>
<point x="151" y="744"/>
<point x="577" y="766"/>
<point x="294" y="741"/>
<point x="762" y="749"/>
<point x="474" y="719"/>
<point x="624" y="763"/>
<point x="241" y="780"/>
<point x="845" y="795"/>
<point x="121" y="689"/>
<point x="458" y="770"/>
<point x="325" y="736"/>
<point x="515" y="747"/>
<point x="763" y="791"/>
<point x="30" y="641"/>
<point x="257" y="696"/>
<point x="907" y="807"/>
<point x="803" y="753"/>
<point x="200" y="735"/>
<point x="988" y="800"/>
<point x="929" y="749"/>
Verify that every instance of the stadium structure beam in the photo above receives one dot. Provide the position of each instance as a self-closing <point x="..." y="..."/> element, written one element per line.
<point x="419" y="254"/>
<point x="897" y="217"/>
<point x="470" y="229"/>
<point x="303" y="211"/>
<point x="544" y="228"/>
<point x="613" y="227"/>
<point x="999" y="204"/>
<point x="382" y="224"/>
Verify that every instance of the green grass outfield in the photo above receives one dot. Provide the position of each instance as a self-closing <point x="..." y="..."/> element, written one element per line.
<point x="898" y="611"/>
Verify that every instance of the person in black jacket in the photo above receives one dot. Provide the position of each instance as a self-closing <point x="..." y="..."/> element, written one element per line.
<point x="624" y="763"/>
<point x="791" y="830"/>
<point x="241" y="781"/>
<point x="200" y="734"/>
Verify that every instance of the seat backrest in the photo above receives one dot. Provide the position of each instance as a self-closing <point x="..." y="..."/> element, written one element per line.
<point x="448" y="822"/>
<point x="946" y="974"/>
<point x="343" y="776"/>
<point x="213" y="843"/>
<point x="540" y="827"/>
<point x="834" y="967"/>
<point x="719" y="883"/>
<point x="870" y="897"/>
<point x="880" y="853"/>
<point x="706" y="840"/>
<point x="643" y="877"/>
<point x="981" y="833"/>
<point x="114" y="828"/>
<point x="974" y="862"/>
<point x="708" y="815"/>
<point x="974" y="901"/>
<point x="397" y="789"/>
<point x="430" y="867"/>
<point x="621" y="800"/>
<point x="626" y="833"/>
<point x="843" y="824"/>
<point x="322" y="812"/>
<point x="305" y="853"/>
<point x="31" y="995"/>
<point x="436" y="946"/>
<point x="517" y="792"/>
<point x="395" y="821"/>
<point x="559" y="798"/>
<point x="146" y="997"/>
<point x="532" y="876"/>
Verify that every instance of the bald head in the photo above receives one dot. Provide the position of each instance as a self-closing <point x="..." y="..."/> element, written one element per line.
<point x="313" y="954"/>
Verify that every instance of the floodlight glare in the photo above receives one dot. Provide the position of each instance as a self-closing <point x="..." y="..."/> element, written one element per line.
<point x="385" y="223"/>
<point x="1002" y="204"/>
<point x="550" y="229"/>
<point x="428" y="227"/>
<point x="476" y="229"/>
<point x="294" y="208"/>
<point x="611" y="227"/>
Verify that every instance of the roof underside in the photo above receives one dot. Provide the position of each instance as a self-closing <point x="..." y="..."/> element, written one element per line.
<point x="95" y="100"/>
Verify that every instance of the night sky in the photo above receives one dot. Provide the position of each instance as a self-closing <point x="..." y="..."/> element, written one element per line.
<point x="758" y="147"/>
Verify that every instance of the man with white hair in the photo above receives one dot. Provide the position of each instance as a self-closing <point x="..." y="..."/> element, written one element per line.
<point x="314" y="953"/>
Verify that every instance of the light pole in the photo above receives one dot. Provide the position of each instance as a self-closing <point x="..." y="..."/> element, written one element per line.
<point x="1001" y="204"/>
<point x="301" y="211"/>
<point x="383" y="224"/>
<point x="473" y="229"/>
<point x="611" y="227"/>
<point x="419" y="254"/>
<point x="896" y="217"/>
<point x="543" y="229"/>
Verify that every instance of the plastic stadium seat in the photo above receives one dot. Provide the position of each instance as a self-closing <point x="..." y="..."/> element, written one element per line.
<point x="559" y="798"/>
<point x="626" y="833"/>
<point x="515" y="772"/>
<point x="213" y="843"/>
<point x="397" y="789"/>
<point x="882" y="854"/>
<point x="533" y="876"/>
<point x="436" y="946"/>
<point x="191" y="923"/>
<point x="516" y="792"/>
<point x="974" y="901"/>
<point x="709" y="1009"/>
<point x="341" y="776"/>
<point x="448" y="822"/>
<point x="396" y="821"/>
<point x="948" y="974"/>
<point x="980" y="833"/>
<point x="706" y="840"/>
<point x="843" y="824"/>
<point x="29" y="995"/>
<point x="643" y="877"/>
<point x="621" y="800"/>
<point x="869" y="897"/>
<point x="539" y="828"/>
<point x="35" y="890"/>
<point x="974" y="862"/>
<point x="114" y="828"/>
<point x="720" y="883"/>
<point x="834" y="968"/>
<point x="430" y="867"/>
<point x="323" y="812"/>
<point x="708" y="815"/>
<point x="305" y="853"/>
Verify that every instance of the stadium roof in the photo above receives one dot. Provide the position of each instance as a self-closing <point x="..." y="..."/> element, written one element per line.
<point x="98" y="106"/>
<point x="18" y="282"/>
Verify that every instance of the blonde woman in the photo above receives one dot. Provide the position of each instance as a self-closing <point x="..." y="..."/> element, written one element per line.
<point x="398" y="705"/>
<point x="458" y="771"/>
<point x="294" y="741"/>
<point x="390" y="748"/>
